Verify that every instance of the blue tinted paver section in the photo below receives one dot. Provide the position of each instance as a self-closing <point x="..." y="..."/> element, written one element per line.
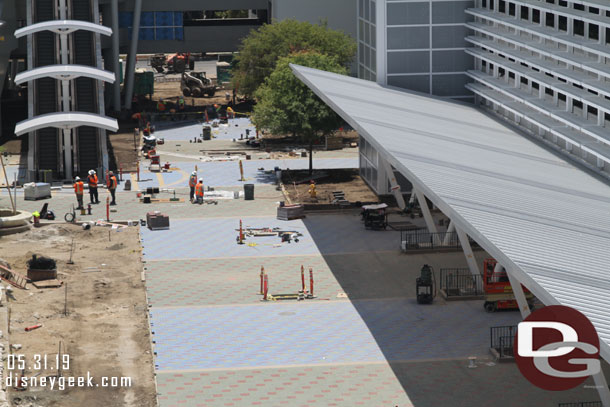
<point x="319" y="333"/>
<point x="217" y="237"/>
<point x="227" y="173"/>
<point x="180" y="131"/>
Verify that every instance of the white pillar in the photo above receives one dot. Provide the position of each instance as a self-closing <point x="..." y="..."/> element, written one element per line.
<point x="133" y="51"/>
<point x="114" y="10"/>
<point x="394" y="187"/>
<point x="450" y="230"/>
<point x="65" y="94"/>
<point x="524" y="308"/>
<point x="470" y="259"/>
<point x="602" y="388"/>
<point x="423" y="204"/>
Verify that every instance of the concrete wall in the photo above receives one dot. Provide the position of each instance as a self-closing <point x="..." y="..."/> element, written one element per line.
<point x="196" y="39"/>
<point x="340" y="14"/>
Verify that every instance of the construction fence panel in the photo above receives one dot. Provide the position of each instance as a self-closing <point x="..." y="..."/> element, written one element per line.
<point x="458" y="282"/>
<point x="581" y="404"/>
<point x="424" y="240"/>
<point x="502" y="339"/>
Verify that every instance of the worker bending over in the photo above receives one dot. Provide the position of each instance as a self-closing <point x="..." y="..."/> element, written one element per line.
<point x="112" y="184"/>
<point x="92" y="181"/>
<point x="79" y="190"/>
<point x="192" y="184"/>
<point x="199" y="191"/>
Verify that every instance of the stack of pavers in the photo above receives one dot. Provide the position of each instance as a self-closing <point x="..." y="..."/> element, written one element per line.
<point x="157" y="221"/>
<point x="290" y="212"/>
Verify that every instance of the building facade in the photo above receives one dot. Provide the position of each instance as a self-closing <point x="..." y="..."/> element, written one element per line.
<point x="416" y="45"/>
<point x="544" y="67"/>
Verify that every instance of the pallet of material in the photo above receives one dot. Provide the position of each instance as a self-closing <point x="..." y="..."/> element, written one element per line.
<point x="53" y="283"/>
<point x="290" y="212"/>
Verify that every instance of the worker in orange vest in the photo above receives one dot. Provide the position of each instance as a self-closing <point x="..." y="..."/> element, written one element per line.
<point x="92" y="181"/>
<point x="79" y="190"/>
<point x="112" y="184"/>
<point x="199" y="191"/>
<point x="160" y="106"/>
<point x="192" y="184"/>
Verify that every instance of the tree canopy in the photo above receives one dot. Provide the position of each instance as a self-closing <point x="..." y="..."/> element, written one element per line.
<point x="285" y="105"/>
<point x="262" y="48"/>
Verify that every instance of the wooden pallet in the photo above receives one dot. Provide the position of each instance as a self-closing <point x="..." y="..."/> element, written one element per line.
<point x="12" y="277"/>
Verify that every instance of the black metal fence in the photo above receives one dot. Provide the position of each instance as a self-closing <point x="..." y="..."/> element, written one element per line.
<point x="459" y="282"/>
<point x="424" y="240"/>
<point x="581" y="404"/>
<point x="502" y="339"/>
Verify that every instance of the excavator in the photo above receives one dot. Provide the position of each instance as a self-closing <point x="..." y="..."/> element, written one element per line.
<point x="177" y="62"/>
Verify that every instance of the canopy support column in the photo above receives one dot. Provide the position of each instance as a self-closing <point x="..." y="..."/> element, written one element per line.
<point x="133" y="52"/>
<point x="394" y="187"/>
<point x="470" y="259"/>
<point x="450" y="230"/>
<point x="423" y="205"/>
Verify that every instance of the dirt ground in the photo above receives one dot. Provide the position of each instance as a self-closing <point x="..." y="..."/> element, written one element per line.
<point x="171" y="91"/>
<point x="105" y="331"/>
<point x="296" y="185"/>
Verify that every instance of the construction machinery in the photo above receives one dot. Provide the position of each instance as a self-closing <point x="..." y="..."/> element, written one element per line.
<point x="425" y="285"/>
<point x="498" y="291"/>
<point x="177" y="62"/>
<point x="196" y="84"/>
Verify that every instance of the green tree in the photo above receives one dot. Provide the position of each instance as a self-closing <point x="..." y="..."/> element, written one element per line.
<point x="261" y="49"/>
<point x="285" y="105"/>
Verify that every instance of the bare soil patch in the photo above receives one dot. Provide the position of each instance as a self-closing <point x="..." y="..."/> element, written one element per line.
<point x="105" y="331"/>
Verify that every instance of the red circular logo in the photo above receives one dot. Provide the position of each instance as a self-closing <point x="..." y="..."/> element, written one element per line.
<point x="573" y="338"/>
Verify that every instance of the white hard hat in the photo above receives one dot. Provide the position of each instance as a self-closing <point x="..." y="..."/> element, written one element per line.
<point x="77" y="178"/>
<point x="200" y="179"/>
<point x="91" y="172"/>
<point x="194" y="173"/>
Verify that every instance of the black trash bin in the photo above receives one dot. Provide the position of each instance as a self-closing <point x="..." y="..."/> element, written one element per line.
<point x="249" y="192"/>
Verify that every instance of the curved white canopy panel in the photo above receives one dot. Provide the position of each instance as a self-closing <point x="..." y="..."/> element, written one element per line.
<point x="64" y="72"/>
<point x="63" y="27"/>
<point x="66" y="121"/>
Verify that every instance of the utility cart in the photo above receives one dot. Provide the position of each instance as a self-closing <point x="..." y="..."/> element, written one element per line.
<point x="375" y="216"/>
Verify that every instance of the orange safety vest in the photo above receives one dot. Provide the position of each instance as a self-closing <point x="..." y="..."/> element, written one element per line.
<point x="161" y="106"/>
<point x="192" y="181"/>
<point x="199" y="190"/>
<point x="79" y="187"/>
<point x="92" y="179"/>
<point x="112" y="182"/>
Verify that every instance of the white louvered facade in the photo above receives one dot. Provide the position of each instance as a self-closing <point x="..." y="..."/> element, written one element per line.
<point x="544" y="65"/>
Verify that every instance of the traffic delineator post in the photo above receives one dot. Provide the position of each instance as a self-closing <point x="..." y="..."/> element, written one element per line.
<point x="266" y="287"/>
<point x="310" y="281"/>
<point x="302" y="278"/>
<point x="262" y="278"/>
<point x="107" y="209"/>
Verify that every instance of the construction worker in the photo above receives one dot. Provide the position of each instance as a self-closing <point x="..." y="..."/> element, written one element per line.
<point x="181" y="103"/>
<point x="192" y="184"/>
<point x="92" y="181"/>
<point x="160" y="106"/>
<point x="112" y="184"/>
<point x="79" y="190"/>
<point x="199" y="191"/>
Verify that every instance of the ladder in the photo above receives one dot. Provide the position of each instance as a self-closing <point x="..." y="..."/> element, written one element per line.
<point x="12" y="277"/>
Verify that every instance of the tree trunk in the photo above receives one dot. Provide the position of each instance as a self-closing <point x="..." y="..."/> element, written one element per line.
<point x="311" y="156"/>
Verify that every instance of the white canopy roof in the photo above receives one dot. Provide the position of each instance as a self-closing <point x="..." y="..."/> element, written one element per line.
<point x="66" y="121"/>
<point x="541" y="217"/>
<point x="63" y="27"/>
<point x="64" y="72"/>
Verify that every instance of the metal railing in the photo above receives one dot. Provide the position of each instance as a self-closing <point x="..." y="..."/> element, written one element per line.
<point x="581" y="404"/>
<point x="502" y="340"/>
<point x="459" y="282"/>
<point x="424" y="240"/>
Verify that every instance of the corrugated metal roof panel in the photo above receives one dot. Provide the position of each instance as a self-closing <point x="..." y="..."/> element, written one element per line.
<point x="540" y="216"/>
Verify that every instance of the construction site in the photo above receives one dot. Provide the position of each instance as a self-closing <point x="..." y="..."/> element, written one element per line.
<point x="157" y="248"/>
